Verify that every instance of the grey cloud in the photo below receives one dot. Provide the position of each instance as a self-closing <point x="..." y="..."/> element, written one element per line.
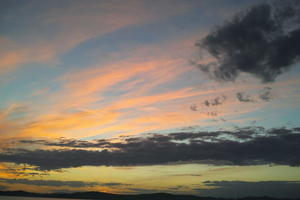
<point x="62" y="142"/>
<point x="234" y="189"/>
<point x="261" y="41"/>
<point x="243" y="97"/>
<point x="76" y="184"/>
<point x="194" y="108"/>
<point x="143" y="191"/>
<point x="215" y="102"/>
<point x="219" y="100"/>
<point x="206" y="103"/>
<point x="22" y="171"/>
<point x="187" y="175"/>
<point x="49" y="182"/>
<point x="243" y="146"/>
<point x="265" y="94"/>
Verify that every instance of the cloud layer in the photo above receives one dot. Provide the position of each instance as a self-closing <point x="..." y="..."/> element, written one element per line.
<point x="246" y="146"/>
<point x="57" y="183"/>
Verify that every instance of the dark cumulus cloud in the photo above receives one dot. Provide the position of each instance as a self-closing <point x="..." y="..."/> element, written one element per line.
<point x="261" y="41"/>
<point x="238" y="189"/>
<point x="243" y="97"/>
<point x="243" y="146"/>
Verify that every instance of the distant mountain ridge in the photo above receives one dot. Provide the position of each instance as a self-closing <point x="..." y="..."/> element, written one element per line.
<point x="108" y="196"/>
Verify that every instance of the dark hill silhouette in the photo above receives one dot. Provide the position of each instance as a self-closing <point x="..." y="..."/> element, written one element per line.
<point x="108" y="196"/>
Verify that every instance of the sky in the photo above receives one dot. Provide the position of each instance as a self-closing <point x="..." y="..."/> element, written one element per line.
<point x="187" y="97"/>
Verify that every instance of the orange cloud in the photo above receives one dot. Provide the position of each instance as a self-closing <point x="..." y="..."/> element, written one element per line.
<point x="67" y="124"/>
<point x="72" y="24"/>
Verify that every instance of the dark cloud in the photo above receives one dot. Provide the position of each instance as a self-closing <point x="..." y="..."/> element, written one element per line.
<point x="211" y="114"/>
<point x="59" y="183"/>
<point x="265" y="94"/>
<point x="179" y="187"/>
<point x="243" y="97"/>
<point x="237" y="189"/>
<point x="187" y="175"/>
<point x="206" y="103"/>
<point x="219" y="100"/>
<point x="63" y="142"/>
<point x="215" y="102"/>
<point x="18" y="173"/>
<point x="49" y="182"/>
<point x="22" y="171"/>
<point x="194" y="108"/>
<point x="3" y="187"/>
<point x="261" y="41"/>
<point x="243" y="146"/>
<point x="143" y="191"/>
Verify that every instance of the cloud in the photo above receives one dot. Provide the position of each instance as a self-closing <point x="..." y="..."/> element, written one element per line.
<point x="238" y="189"/>
<point x="101" y="143"/>
<point x="243" y="146"/>
<point x="58" y="183"/>
<point x="215" y="102"/>
<point x="187" y="175"/>
<point x="2" y="187"/>
<point x="194" y="108"/>
<point x="49" y="182"/>
<point x="21" y="171"/>
<point x="219" y="100"/>
<point x="265" y="94"/>
<point x="260" y="41"/>
<point x="71" y="24"/>
<point x="243" y="97"/>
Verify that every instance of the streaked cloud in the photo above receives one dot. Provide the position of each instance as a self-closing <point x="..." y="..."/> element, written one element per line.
<point x="57" y="183"/>
<point x="72" y="24"/>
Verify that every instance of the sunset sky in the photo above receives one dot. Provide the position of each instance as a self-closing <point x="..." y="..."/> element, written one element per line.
<point x="139" y="96"/>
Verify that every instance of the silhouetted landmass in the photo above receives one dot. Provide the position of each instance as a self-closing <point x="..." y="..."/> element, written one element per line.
<point x="107" y="196"/>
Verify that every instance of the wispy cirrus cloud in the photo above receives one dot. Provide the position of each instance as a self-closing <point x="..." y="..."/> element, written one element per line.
<point x="70" y="25"/>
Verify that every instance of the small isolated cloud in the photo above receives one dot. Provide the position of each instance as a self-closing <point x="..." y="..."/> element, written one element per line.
<point x="238" y="189"/>
<point x="215" y="102"/>
<point x="211" y="114"/>
<point x="243" y="146"/>
<point x="194" y="108"/>
<point x="261" y="41"/>
<point x="265" y="94"/>
<point x="243" y="97"/>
